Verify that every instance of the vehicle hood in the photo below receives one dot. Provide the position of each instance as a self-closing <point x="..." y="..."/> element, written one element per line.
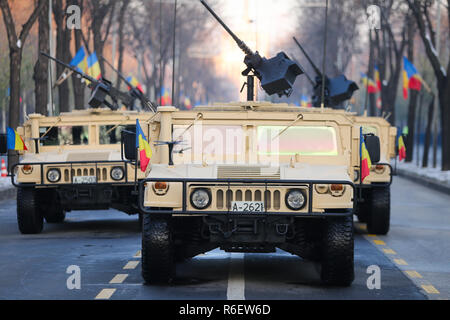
<point x="283" y="172"/>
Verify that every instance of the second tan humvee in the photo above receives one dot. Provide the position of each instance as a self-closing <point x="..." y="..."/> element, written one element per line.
<point x="74" y="162"/>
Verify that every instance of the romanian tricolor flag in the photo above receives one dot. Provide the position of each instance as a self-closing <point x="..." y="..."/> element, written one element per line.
<point x="377" y="78"/>
<point x="94" y="67"/>
<point x="366" y="163"/>
<point x="135" y="83"/>
<point x="411" y="78"/>
<point x="14" y="141"/>
<point x="305" y="102"/>
<point x="80" y="60"/>
<point x="145" y="152"/>
<point x="401" y="149"/>
<point x="369" y="84"/>
<point x="166" y="100"/>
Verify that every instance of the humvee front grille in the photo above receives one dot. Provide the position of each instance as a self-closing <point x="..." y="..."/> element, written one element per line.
<point x="224" y="197"/>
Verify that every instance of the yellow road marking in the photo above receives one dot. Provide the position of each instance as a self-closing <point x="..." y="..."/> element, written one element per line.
<point x="138" y="254"/>
<point x="430" y="289"/>
<point x="389" y="251"/>
<point x="119" y="278"/>
<point x="413" y="274"/>
<point x="105" y="294"/>
<point x="400" y="262"/>
<point x="131" y="265"/>
<point x="372" y="235"/>
<point x="379" y="242"/>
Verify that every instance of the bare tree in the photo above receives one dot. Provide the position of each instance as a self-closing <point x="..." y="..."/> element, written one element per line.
<point x="41" y="66"/>
<point x="421" y="13"/>
<point x="16" y="43"/>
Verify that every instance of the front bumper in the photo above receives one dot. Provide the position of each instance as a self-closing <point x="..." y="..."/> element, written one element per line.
<point x="229" y="184"/>
<point x="68" y="170"/>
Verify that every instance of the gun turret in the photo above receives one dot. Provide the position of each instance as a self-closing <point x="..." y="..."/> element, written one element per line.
<point x="277" y="75"/>
<point x="100" y="89"/>
<point x="135" y="92"/>
<point x="337" y="90"/>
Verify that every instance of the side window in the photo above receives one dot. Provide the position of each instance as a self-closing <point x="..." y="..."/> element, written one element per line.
<point x="111" y="134"/>
<point x="66" y="135"/>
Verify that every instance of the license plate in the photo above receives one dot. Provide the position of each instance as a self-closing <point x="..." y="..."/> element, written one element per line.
<point x="247" y="206"/>
<point x="85" y="180"/>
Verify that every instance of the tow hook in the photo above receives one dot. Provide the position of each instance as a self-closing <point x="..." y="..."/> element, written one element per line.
<point x="282" y="229"/>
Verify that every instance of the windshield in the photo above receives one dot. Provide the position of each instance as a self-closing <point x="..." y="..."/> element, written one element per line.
<point x="64" y="135"/>
<point x="302" y="140"/>
<point x="111" y="134"/>
<point x="220" y="143"/>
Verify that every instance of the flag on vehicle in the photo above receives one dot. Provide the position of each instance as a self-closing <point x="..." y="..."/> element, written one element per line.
<point x="411" y="78"/>
<point x="135" y="83"/>
<point x="401" y="149"/>
<point x="14" y="141"/>
<point x="94" y="66"/>
<point x="366" y="163"/>
<point x="145" y="152"/>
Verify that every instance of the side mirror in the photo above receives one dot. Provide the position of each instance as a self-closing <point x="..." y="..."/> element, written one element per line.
<point x="129" y="145"/>
<point x="373" y="147"/>
<point x="3" y="144"/>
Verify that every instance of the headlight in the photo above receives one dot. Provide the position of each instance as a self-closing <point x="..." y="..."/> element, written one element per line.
<point x="295" y="199"/>
<point x="200" y="199"/>
<point x="117" y="173"/>
<point x="322" y="188"/>
<point x="53" y="175"/>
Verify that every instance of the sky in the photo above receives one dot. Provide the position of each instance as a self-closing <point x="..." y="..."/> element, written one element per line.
<point x="259" y="23"/>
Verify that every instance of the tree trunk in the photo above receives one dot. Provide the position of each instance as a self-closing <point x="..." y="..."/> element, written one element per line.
<point x="78" y="86"/>
<point x="426" y="146"/>
<point x="63" y="37"/>
<point x="41" y="66"/>
<point x="123" y="10"/>
<point x="411" y="125"/>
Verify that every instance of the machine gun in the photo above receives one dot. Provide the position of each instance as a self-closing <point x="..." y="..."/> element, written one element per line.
<point x="100" y="89"/>
<point x="277" y="75"/>
<point x="337" y="90"/>
<point x="135" y="92"/>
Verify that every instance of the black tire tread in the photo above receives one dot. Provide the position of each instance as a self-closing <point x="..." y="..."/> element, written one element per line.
<point x="378" y="222"/>
<point x="338" y="252"/>
<point x="29" y="218"/>
<point x="158" y="265"/>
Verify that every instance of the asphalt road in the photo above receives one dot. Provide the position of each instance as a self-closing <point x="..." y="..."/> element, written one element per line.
<point x="414" y="260"/>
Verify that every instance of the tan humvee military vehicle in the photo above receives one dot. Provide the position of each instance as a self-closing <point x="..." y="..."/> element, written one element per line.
<point x="374" y="192"/>
<point x="74" y="162"/>
<point x="250" y="177"/>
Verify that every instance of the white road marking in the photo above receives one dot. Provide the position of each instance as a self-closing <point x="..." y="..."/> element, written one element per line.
<point x="119" y="278"/>
<point x="236" y="280"/>
<point x="131" y="265"/>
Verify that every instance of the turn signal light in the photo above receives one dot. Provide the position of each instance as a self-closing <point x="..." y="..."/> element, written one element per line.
<point x="160" y="185"/>
<point x="337" y="187"/>
<point x="27" y="169"/>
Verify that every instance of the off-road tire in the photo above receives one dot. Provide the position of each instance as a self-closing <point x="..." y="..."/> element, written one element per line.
<point x="158" y="265"/>
<point x="308" y="240"/>
<point x="338" y="252"/>
<point x="378" y="222"/>
<point x="29" y="217"/>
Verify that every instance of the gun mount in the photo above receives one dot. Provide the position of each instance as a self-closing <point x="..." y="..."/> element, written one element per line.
<point x="135" y="92"/>
<point x="337" y="90"/>
<point x="277" y="75"/>
<point x="101" y="89"/>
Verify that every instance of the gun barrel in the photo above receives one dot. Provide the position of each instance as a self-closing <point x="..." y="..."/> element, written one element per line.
<point x="239" y="42"/>
<point x="316" y="69"/>
<point x="92" y="80"/>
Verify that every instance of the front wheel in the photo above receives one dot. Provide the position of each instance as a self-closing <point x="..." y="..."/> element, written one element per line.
<point x="378" y="222"/>
<point x="158" y="265"/>
<point x="338" y="252"/>
<point x="29" y="217"/>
